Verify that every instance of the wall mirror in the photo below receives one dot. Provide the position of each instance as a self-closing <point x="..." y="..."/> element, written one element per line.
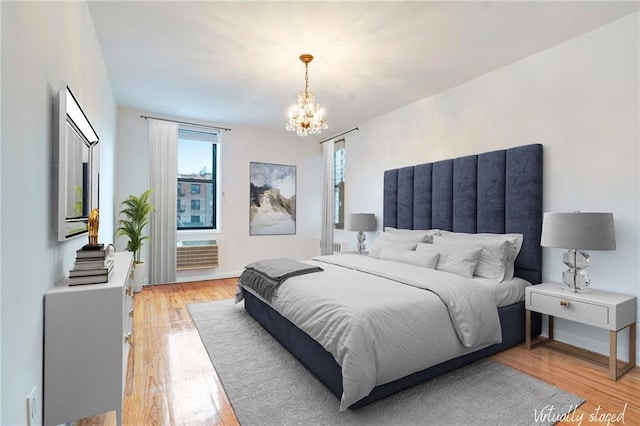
<point x="76" y="173"/>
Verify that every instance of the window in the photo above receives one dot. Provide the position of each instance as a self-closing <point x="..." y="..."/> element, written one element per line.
<point x="198" y="188"/>
<point x="338" y="180"/>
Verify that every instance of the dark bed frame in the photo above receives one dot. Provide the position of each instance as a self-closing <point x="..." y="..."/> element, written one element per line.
<point x="496" y="192"/>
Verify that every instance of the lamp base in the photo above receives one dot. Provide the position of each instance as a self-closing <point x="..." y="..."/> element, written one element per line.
<point x="361" y="238"/>
<point x="575" y="277"/>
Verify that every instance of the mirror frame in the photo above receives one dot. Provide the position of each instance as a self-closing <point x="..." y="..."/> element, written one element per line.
<point x="69" y="117"/>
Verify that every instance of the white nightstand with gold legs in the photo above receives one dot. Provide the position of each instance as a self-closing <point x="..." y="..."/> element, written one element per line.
<point x="604" y="309"/>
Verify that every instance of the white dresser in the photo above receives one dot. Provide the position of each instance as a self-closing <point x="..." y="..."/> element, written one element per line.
<point x="87" y="333"/>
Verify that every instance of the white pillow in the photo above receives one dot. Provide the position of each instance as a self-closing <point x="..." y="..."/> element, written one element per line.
<point x="424" y="259"/>
<point x="493" y="258"/>
<point x="454" y="259"/>
<point x="380" y="244"/>
<point x="411" y="231"/>
<point x="515" y="241"/>
<point x="430" y="232"/>
<point x="418" y="237"/>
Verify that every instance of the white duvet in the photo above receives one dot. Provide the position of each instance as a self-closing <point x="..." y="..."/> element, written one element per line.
<point x="385" y="323"/>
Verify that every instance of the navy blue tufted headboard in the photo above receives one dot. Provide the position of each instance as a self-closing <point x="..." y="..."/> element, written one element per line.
<point x="497" y="192"/>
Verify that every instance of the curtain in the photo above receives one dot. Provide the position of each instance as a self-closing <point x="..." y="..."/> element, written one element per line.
<point x="163" y="140"/>
<point x="326" y="238"/>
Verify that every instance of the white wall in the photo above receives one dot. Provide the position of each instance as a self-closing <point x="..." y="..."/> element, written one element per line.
<point x="579" y="99"/>
<point x="42" y="44"/>
<point x="238" y="148"/>
<point x="0" y="215"/>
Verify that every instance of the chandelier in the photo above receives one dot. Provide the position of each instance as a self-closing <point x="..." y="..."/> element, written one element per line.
<point x="306" y="116"/>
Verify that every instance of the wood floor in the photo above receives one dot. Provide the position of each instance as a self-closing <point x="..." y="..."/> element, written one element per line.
<point x="171" y="380"/>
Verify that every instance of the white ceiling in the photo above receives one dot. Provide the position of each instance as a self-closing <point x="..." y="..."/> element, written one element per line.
<point x="237" y="62"/>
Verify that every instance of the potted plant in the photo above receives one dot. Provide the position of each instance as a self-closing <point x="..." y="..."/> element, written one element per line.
<point x="133" y="217"/>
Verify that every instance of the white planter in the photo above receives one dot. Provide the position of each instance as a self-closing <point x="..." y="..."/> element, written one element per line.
<point x="138" y="276"/>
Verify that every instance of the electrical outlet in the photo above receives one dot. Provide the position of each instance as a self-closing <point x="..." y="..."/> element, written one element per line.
<point x="32" y="407"/>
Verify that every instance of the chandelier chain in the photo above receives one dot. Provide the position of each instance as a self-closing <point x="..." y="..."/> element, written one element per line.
<point x="306" y="79"/>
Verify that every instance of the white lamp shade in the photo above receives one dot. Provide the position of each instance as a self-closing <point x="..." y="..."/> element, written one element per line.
<point x="361" y="222"/>
<point x="580" y="231"/>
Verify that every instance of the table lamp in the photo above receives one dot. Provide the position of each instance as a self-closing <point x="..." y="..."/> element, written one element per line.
<point x="578" y="231"/>
<point x="361" y="222"/>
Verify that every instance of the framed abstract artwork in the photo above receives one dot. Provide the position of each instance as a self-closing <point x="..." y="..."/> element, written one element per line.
<point x="272" y="199"/>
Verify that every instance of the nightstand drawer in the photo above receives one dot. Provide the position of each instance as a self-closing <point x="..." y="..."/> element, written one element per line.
<point x="569" y="308"/>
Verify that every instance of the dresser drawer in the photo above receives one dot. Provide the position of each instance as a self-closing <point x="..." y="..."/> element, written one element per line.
<point x="569" y="308"/>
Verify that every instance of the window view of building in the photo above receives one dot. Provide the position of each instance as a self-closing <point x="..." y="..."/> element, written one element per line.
<point x="197" y="203"/>
<point x="338" y="174"/>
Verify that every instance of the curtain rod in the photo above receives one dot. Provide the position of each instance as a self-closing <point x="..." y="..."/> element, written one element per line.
<point x="189" y="124"/>
<point x="343" y="133"/>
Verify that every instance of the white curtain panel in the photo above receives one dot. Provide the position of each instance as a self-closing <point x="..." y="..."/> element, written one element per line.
<point x="163" y="140"/>
<point x="326" y="238"/>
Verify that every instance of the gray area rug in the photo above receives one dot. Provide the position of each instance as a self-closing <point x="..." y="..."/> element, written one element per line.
<point x="268" y="386"/>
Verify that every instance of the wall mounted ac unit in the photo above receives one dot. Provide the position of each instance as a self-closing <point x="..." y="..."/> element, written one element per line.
<point x="201" y="254"/>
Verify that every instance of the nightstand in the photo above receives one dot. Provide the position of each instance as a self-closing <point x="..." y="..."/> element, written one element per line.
<point x="604" y="309"/>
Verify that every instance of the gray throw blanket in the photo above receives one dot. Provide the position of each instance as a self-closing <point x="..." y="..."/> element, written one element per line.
<point x="265" y="276"/>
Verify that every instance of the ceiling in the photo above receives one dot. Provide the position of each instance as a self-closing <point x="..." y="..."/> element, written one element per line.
<point x="237" y="62"/>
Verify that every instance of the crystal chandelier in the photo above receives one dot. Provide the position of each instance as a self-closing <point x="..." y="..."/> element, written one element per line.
<point x="306" y="117"/>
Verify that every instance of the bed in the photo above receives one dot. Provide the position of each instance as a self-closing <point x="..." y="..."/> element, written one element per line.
<point x="498" y="192"/>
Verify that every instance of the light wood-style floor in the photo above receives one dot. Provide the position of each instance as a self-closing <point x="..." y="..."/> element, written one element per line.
<point x="171" y="380"/>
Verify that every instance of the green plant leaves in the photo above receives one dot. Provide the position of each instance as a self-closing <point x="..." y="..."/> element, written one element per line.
<point x="134" y="216"/>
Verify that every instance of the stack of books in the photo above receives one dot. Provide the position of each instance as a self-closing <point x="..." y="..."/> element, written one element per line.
<point x="92" y="266"/>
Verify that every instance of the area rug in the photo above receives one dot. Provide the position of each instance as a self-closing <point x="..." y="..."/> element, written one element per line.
<point x="268" y="386"/>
